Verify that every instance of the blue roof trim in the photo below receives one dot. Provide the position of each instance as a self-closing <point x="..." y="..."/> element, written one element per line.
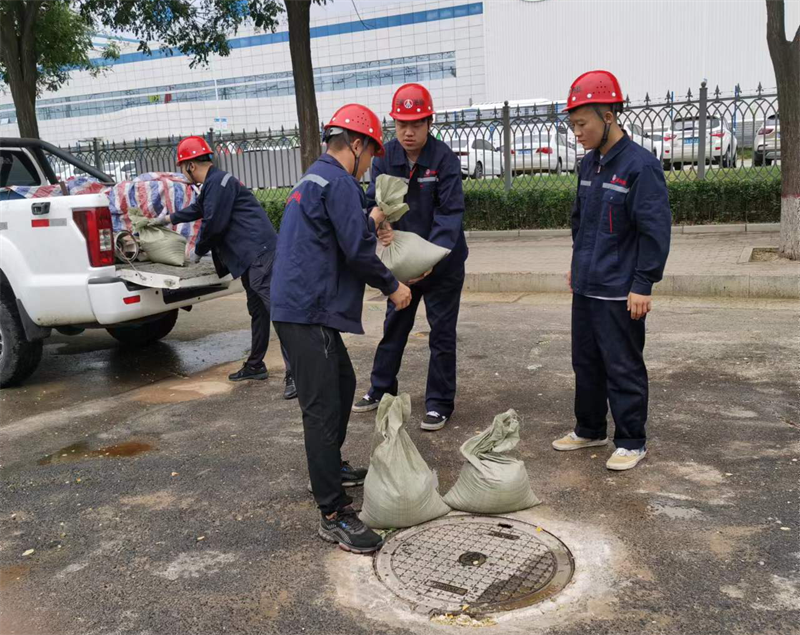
<point x="343" y="28"/>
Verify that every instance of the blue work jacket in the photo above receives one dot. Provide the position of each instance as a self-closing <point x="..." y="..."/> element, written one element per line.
<point x="435" y="198"/>
<point x="326" y="252"/>
<point x="621" y="223"/>
<point x="235" y="228"/>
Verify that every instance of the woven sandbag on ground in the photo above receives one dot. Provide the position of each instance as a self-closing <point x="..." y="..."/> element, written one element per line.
<point x="409" y="255"/>
<point x="491" y="482"/>
<point x="159" y="243"/>
<point x="400" y="489"/>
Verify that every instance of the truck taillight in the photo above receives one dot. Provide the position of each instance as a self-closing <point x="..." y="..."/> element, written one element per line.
<point x="95" y="225"/>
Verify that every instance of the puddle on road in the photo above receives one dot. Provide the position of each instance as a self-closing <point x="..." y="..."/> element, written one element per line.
<point x="13" y="574"/>
<point x="79" y="451"/>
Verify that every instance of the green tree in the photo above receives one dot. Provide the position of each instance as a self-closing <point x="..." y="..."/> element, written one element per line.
<point x="786" y="61"/>
<point x="42" y="41"/>
<point x="39" y="42"/>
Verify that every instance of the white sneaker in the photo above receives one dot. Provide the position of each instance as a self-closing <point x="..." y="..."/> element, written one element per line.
<point x="573" y="442"/>
<point x="623" y="459"/>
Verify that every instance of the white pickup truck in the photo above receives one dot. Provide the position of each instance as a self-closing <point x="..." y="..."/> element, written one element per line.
<point x="58" y="268"/>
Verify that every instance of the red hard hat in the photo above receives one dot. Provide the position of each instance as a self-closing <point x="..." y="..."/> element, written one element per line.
<point x="412" y="102"/>
<point x="193" y="147"/>
<point x="358" y="118"/>
<point x="594" y="87"/>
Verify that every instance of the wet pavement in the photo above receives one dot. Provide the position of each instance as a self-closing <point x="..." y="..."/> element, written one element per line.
<point x="158" y="497"/>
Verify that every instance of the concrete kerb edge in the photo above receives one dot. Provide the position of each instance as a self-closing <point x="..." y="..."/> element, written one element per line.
<point x="693" y="285"/>
<point x="733" y="228"/>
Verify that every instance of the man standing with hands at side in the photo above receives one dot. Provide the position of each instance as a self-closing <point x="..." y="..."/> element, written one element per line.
<point x="621" y="224"/>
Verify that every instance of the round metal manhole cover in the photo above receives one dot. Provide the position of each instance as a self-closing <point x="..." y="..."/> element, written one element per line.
<point x="486" y="563"/>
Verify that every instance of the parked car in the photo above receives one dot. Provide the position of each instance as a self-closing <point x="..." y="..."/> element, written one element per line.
<point x="59" y="271"/>
<point x="544" y="150"/>
<point x="767" y="144"/>
<point x="682" y="142"/>
<point x="479" y="158"/>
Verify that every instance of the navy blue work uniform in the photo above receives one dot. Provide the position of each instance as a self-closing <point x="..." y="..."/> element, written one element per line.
<point x="621" y="224"/>
<point x="326" y="253"/>
<point x="242" y="242"/>
<point x="436" y="201"/>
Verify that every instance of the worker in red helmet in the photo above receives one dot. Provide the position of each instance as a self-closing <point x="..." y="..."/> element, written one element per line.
<point x="621" y="224"/>
<point x="326" y="254"/>
<point x="241" y="239"/>
<point x="436" y="210"/>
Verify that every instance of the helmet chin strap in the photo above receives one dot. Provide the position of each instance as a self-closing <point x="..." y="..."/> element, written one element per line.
<point x="606" y="129"/>
<point x="356" y="157"/>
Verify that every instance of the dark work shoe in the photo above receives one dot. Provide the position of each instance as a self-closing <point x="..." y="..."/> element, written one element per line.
<point x="433" y="421"/>
<point x="248" y="372"/>
<point x="351" y="476"/>
<point x="290" y="392"/>
<point x="349" y="532"/>
<point x="366" y="404"/>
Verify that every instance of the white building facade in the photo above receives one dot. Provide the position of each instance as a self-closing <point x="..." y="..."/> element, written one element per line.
<point x="465" y="51"/>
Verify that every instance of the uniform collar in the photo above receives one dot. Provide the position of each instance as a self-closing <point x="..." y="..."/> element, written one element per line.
<point x="327" y="158"/>
<point x="618" y="147"/>
<point x="398" y="156"/>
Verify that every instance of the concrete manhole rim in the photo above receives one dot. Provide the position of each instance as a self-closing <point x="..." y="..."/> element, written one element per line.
<point x="563" y="566"/>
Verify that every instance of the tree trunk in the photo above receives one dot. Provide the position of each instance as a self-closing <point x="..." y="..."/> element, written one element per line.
<point x="19" y="59"/>
<point x="786" y="61"/>
<point x="298" y="12"/>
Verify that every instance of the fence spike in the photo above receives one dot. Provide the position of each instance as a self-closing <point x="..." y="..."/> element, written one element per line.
<point x="689" y="94"/>
<point x="647" y="99"/>
<point x="479" y="114"/>
<point x="668" y="94"/>
<point x="628" y="99"/>
<point x="716" y="92"/>
<point x="760" y="89"/>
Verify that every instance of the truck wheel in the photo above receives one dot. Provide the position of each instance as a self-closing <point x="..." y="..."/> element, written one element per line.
<point x="18" y="357"/>
<point x="142" y="334"/>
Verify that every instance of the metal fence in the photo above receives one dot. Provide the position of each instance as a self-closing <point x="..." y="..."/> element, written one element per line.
<point x="712" y="136"/>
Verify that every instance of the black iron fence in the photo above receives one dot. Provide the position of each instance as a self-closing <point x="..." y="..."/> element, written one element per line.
<point x="513" y="146"/>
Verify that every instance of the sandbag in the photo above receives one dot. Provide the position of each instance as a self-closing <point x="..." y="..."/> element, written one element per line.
<point x="491" y="482"/>
<point x="390" y="192"/>
<point x="409" y="255"/>
<point x="159" y="243"/>
<point x="400" y="489"/>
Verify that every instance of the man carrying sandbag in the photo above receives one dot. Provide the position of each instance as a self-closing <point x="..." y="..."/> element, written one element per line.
<point x="436" y="201"/>
<point x="241" y="239"/>
<point x="326" y="253"/>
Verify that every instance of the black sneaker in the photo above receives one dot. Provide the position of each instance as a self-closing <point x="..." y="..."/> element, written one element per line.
<point x="366" y="404"/>
<point x="290" y="392"/>
<point x="352" y="535"/>
<point x="351" y="476"/>
<point x="248" y="372"/>
<point x="433" y="421"/>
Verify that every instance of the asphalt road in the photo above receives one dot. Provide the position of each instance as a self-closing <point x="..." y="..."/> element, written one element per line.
<point x="161" y="499"/>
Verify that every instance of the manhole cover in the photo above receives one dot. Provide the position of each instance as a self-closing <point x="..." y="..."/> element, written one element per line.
<point x="489" y="564"/>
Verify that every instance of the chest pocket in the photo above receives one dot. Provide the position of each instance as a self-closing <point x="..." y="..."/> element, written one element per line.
<point x="614" y="216"/>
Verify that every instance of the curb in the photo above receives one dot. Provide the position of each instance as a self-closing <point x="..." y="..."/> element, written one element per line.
<point x="738" y="228"/>
<point x="726" y="286"/>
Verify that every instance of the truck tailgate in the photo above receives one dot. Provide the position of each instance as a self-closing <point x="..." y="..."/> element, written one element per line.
<point x="158" y="276"/>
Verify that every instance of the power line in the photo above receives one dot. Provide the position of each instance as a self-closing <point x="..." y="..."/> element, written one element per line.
<point x="359" y="16"/>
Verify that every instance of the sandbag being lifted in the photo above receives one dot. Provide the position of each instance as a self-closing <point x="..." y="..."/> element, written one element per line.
<point x="400" y="489"/>
<point x="161" y="245"/>
<point x="491" y="482"/>
<point x="409" y="255"/>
